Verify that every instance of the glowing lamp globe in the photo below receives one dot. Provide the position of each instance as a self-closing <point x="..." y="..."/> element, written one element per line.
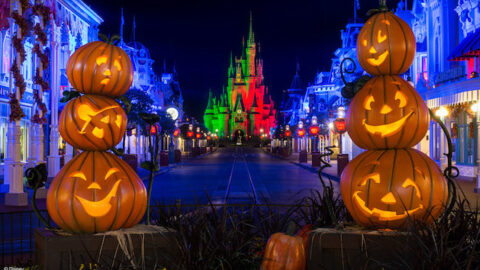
<point x="176" y="132"/>
<point x="199" y="135"/>
<point x="314" y="130"/>
<point x="288" y="133"/>
<point x="209" y="138"/>
<point x="190" y="134"/>
<point x="301" y="132"/>
<point x="340" y="126"/>
<point x="153" y="130"/>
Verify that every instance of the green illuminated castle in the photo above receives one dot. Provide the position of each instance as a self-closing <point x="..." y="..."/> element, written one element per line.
<point x="244" y="108"/>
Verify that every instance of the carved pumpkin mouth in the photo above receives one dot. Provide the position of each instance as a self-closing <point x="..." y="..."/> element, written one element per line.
<point x="378" y="60"/>
<point x="102" y="207"/>
<point x="387" y="129"/>
<point x="383" y="215"/>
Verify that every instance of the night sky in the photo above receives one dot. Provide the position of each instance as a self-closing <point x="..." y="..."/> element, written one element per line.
<point x="198" y="35"/>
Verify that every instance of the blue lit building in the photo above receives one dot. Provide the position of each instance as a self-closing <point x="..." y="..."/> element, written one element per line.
<point x="445" y="72"/>
<point x="322" y="98"/>
<point x="164" y="89"/>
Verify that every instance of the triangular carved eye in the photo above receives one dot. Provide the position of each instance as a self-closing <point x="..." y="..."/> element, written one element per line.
<point x="389" y="199"/>
<point x="105" y="119"/>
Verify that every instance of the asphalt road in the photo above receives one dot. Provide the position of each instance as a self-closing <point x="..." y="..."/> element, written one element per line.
<point x="235" y="175"/>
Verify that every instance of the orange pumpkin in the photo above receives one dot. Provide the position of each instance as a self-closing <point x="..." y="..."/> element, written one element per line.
<point x="93" y="122"/>
<point x="385" y="45"/>
<point x="284" y="252"/>
<point x="387" y="113"/>
<point x="100" y="68"/>
<point x="96" y="192"/>
<point x="384" y="188"/>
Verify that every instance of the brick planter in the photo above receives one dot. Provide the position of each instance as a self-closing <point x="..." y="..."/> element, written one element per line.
<point x="59" y="250"/>
<point x="354" y="248"/>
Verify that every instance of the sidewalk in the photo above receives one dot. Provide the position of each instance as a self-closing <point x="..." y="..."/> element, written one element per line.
<point x="465" y="185"/>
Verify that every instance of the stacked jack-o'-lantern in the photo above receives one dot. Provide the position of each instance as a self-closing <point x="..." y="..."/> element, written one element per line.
<point x="96" y="191"/>
<point x="390" y="184"/>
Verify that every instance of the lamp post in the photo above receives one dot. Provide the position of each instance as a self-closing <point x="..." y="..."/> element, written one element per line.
<point x="442" y="113"/>
<point x="476" y="109"/>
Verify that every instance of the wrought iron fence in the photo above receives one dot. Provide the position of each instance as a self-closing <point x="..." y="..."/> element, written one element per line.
<point x="16" y="236"/>
<point x="17" y="228"/>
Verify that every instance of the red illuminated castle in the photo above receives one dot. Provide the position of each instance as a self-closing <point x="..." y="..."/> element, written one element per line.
<point x="244" y="108"/>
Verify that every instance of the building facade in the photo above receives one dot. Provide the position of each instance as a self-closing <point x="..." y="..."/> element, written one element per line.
<point x="72" y="25"/>
<point x="244" y="108"/>
<point x="322" y="98"/>
<point x="445" y="72"/>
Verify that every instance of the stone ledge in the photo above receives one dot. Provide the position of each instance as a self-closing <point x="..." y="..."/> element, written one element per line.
<point x="140" y="247"/>
<point x="353" y="248"/>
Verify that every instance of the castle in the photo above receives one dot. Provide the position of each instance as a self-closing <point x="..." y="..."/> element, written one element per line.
<point x="244" y="108"/>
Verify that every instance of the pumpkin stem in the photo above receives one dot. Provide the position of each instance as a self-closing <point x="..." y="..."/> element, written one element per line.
<point x="291" y="229"/>
<point x="103" y="37"/>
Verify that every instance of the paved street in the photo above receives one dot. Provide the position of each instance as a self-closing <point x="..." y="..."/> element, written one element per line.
<point x="235" y="175"/>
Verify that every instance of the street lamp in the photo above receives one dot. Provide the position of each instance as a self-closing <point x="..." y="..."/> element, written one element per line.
<point x="442" y="112"/>
<point x="476" y="109"/>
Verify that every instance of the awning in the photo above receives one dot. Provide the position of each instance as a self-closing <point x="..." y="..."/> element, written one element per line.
<point x="469" y="47"/>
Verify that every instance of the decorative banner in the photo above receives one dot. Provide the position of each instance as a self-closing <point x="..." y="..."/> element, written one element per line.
<point x="176" y="132"/>
<point x="190" y="134"/>
<point x="314" y="130"/>
<point x="288" y="133"/>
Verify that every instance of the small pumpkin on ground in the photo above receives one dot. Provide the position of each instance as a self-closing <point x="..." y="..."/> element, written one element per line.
<point x="284" y="251"/>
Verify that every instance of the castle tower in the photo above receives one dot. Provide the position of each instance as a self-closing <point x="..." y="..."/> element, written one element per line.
<point x="244" y="105"/>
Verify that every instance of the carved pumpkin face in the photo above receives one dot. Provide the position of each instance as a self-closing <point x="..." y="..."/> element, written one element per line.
<point x="385" y="45"/>
<point x="383" y="188"/>
<point x="100" y="68"/>
<point x="93" y="122"/>
<point x="95" y="192"/>
<point x="387" y="113"/>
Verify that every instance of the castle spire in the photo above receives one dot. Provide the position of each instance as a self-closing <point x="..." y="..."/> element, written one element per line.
<point x="251" y="36"/>
<point x="122" y="23"/>
<point x="209" y="104"/>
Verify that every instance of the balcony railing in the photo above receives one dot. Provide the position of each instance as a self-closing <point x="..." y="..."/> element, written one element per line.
<point x="452" y="75"/>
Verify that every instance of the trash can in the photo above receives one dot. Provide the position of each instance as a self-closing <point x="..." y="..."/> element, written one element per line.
<point x="342" y="161"/>
<point x="316" y="159"/>
<point x="302" y="158"/>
